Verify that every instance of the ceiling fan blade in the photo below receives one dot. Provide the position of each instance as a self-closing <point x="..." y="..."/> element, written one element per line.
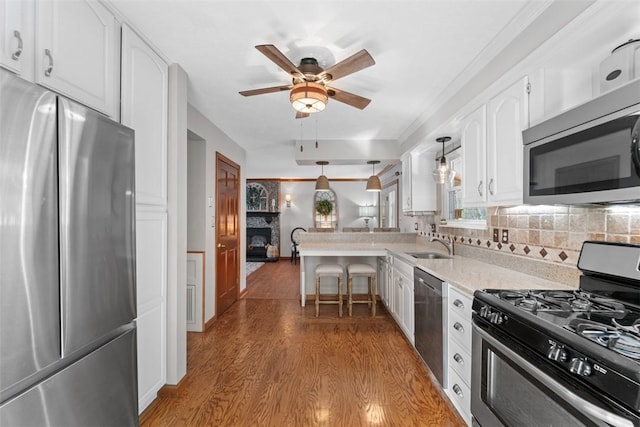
<point x="348" y="98"/>
<point x="264" y="90"/>
<point x="274" y="54"/>
<point x="301" y="115"/>
<point x="355" y="62"/>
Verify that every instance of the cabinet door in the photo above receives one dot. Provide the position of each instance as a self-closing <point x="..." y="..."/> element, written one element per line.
<point x="473" y="139"/>
<point x="406" y="182"/>
<point x="144" y="109"/>
<point x="397" y="297"/>
<point x="16" y="36"/>
<point x="407" y="309"/>
<point x="423" y="188"/>
<point x="507" y="117"/>
<point x="77" y="47"/>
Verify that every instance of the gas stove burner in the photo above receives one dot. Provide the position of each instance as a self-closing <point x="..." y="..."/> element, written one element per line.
<point x="580" y="304"/>
<point x="512" y="295"/>
<point x="528" y="303"/>
<point x="621" y="339"/>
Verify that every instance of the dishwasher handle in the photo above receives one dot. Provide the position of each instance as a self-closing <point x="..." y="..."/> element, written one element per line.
<point x="423" y="282"/>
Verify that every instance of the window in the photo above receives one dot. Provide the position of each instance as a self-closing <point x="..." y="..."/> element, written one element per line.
<point x="325" y="221"/>
<point x="453" y="212"/>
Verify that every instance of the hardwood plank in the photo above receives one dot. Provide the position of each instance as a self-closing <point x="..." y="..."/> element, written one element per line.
<point x="269" y="362"/>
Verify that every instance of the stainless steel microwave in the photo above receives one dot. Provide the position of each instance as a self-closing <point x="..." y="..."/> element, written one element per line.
<point x="589" y="154"/>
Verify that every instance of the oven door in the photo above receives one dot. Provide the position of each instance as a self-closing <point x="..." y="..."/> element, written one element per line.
<point x="510" y="388"/>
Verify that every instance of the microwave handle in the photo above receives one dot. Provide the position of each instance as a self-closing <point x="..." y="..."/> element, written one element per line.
<point x="635" y="146"/>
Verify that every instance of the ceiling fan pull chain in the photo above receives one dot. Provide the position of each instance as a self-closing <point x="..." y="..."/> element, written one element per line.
<point x="316" y="132"/>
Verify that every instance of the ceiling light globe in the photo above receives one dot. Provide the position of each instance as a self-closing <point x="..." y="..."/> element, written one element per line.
<point x="309" y="97"/>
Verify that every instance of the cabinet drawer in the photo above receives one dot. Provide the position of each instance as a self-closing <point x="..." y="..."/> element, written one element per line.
<point x="460" y="395"/>
<point x="459" y="329"/>
<point x="460" y="361"/>
<point x="459" y="303"/>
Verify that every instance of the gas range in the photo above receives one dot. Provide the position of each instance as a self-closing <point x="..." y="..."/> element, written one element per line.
<point x="590" y="335"/>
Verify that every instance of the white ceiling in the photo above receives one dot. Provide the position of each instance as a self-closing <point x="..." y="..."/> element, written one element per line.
<point x="420" y="48"/>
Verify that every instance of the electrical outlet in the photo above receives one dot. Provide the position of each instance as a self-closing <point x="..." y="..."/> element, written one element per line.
<point x="505" y="235"/>
<point x="433" y="228"/>
<point x="415" y="226"/>
<point x="496" y="235"/>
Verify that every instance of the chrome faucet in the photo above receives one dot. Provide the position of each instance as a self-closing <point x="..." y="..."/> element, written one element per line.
<point x="447" y="243"/>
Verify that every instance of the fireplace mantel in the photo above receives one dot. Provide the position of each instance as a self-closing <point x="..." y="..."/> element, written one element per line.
<point x="267" y="215"/>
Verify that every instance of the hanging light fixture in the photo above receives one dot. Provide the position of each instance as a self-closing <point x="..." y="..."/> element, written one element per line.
<point x="443" y="174"/>
<point x="322" y="183"/>
<point x="308" y="97"/>
<point x="373" y="183"/>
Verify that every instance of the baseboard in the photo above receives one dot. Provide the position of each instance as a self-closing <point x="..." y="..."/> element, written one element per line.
<point x="172" y="390"/>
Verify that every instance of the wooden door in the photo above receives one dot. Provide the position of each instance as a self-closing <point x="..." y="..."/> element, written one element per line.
<point x="227" y="233"/>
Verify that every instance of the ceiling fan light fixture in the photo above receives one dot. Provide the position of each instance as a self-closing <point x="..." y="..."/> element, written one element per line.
<point x="309" y="97"/>
<point x="373" y="183"/>
<point x="322" y="183"/>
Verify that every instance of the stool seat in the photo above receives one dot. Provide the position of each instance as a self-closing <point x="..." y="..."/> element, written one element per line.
<point x="362" y="270"/>
<point x="329" y="270"/>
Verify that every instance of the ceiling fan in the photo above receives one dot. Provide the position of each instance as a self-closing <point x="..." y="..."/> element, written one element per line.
<point x="309" y="88"/>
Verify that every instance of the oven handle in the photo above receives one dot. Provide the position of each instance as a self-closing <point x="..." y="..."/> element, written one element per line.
<point x="575" y="400"/>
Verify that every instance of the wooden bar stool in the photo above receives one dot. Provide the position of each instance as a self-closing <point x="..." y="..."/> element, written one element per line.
<point x="329" y="270"/>
<point x="362" y="270"/>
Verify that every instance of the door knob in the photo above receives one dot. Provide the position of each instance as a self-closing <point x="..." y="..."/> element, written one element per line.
<point x="220" y="246"/>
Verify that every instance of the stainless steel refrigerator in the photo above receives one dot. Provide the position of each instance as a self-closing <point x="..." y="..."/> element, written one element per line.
<point x="67" y="263"/>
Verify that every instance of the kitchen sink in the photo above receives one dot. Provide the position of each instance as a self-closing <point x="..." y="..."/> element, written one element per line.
<point x="429" y="255"/>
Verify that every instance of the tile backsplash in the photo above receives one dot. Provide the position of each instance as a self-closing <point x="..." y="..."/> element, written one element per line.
<point x="548" y="233"/>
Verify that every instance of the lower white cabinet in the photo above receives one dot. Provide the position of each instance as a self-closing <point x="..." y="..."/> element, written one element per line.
<point x="458" y="362"/>
<point x="403" y="297"/>
<point x="384" y="280"/>
<point x="151" y="291"/>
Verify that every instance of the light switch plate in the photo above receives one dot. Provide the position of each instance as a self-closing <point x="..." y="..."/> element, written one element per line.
<point x="496" y="235"/>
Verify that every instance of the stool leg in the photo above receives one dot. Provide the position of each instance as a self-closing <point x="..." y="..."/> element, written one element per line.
<point x="317" y="296"/>
<point x="340" y="296"/>
<point x="373" y="295"/>
<point x="350" y="294"/>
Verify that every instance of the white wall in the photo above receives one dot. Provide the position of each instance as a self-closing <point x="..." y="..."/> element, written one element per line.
<point x="350" y="195"/>
<point x="196" y="193"/>
<point x="218" y="141"/>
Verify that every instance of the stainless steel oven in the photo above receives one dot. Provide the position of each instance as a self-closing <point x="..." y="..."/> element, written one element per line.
<point x="514" y="388"/>
<point x="589" y="154"/>
<point x="561" y="357"/>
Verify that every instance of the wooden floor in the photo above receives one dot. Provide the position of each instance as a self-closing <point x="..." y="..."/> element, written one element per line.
<point x="269" y="362"/>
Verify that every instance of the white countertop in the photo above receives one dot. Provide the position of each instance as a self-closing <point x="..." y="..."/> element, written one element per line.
<point x="466" y="274"/>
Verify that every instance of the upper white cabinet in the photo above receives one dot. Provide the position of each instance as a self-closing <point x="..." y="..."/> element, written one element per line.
<point x="16" y="36"/>
<point x="418" y="189"/>
<point x="77" y="51"/>
<point x="144" y="109"/>
<point x="492" y="149"/>
<point x="473" y="138"/>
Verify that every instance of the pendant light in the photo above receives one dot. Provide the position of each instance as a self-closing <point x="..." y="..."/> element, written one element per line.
<point x="373" y="183"/>
<point x="443" y="174"/>
<point x="322" y="183"/>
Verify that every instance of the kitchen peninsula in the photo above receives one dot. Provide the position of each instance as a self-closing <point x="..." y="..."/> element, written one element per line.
<point x="464" y="272"/>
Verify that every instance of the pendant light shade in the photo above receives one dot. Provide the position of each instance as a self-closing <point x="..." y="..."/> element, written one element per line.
<point x="443" y="174"/>
<point x="309" y="97"/>
<point x="322" y="183"/>
<point x="373" y="183"/>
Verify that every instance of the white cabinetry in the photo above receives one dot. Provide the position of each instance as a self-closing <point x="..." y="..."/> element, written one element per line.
<point x="418" y="189"/>
<point x="492" y="149"/>
<point x="77" y="51"/>
<point x="144" y="109"/>
<point x="403" y="297"/>
<point x="151" y="280"/>
<point x="17" y="36"/>
<point x="384" y="280"/>
<point x="458" y="363"/>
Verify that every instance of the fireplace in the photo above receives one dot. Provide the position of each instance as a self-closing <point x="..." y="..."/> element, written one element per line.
<point x="258" y="238"/>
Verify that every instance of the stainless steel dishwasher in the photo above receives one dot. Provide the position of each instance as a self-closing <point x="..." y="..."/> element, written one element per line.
<point x="428" y="306"/>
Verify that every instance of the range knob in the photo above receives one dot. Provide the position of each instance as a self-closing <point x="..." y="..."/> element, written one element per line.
<point x="557" y="353"/>
<point x="580" y="367"/>
<point x="495" y="318"/>
<point x="484" y="311"/>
